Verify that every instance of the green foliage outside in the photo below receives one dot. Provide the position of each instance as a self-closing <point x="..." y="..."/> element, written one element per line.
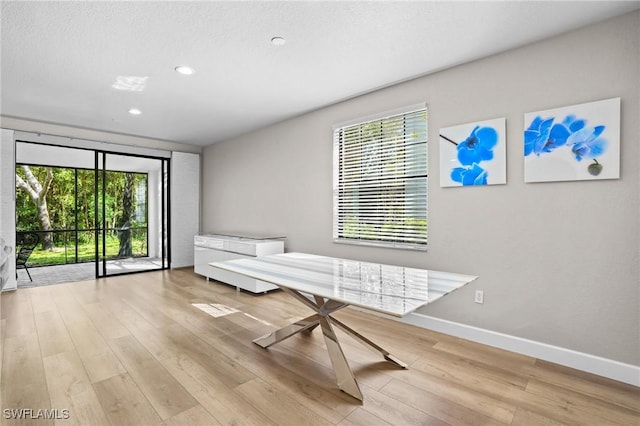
<point x="62" y="254"/>
<point x="361" y="230"/>
<point x="72" y="206"/>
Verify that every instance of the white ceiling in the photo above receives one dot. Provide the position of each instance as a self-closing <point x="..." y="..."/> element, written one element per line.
<point x="60" y="59"/>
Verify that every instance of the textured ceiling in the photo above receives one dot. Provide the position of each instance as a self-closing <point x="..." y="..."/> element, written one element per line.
<point x="61" y="59"/>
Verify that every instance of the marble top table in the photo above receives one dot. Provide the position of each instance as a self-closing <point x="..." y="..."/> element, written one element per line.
<point x="327" y="284"/>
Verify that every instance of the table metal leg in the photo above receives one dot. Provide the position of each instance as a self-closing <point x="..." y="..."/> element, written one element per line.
<point x="288" y="331"/>
<point x="344" y="375"/>
<point x="310" y="329"/>
<point x="368" y="343"/>
<point x="324" y="307"/>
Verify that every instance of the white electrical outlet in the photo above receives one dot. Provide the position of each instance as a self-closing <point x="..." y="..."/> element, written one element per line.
<point x="479" y="296"/>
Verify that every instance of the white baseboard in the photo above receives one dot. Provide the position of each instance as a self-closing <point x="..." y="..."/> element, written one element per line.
<point x="611" y="369"/>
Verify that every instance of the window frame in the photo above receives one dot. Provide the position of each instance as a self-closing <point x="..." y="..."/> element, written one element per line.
<point x="415" y="239"/>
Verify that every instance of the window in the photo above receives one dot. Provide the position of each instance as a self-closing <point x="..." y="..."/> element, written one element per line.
<point x="380" y="180"/>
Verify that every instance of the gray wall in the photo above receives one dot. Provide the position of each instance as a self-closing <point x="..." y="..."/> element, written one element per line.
<point x="558" y="262"/>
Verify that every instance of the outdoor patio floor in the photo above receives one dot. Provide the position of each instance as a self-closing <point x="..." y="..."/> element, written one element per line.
<point x="47" y="275"/>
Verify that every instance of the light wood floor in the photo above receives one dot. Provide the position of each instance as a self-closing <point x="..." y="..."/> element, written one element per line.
<point x="133" y="350"/>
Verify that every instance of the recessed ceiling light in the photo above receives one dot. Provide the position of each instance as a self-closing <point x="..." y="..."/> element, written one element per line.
<point x="278" y="41"/>
<point x="184" y="70"/>
<point x="135" y="111"/>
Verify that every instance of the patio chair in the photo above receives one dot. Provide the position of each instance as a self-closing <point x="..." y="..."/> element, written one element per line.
<point x="27" y="242"/>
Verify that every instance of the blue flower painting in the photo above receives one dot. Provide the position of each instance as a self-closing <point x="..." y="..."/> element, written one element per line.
<point x="543" y="135"/>
<point x="469" y="175"/>
<point x="473" y="154"/>
<point x="478" y="146"/>
<point x="573" y="143"/>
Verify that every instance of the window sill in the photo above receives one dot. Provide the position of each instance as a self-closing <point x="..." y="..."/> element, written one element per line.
<point x="382" y="244"/>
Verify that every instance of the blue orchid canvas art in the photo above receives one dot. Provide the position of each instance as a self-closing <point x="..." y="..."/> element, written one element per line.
<point x="473" y="154"/>
<point x="579" y="142"/>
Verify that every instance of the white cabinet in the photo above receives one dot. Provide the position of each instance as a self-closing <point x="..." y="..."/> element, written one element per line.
<point x="215" y="248"/>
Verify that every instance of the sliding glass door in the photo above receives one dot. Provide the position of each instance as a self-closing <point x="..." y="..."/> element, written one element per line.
<point x="132" y="213"/>
<point x="104" y="211"/>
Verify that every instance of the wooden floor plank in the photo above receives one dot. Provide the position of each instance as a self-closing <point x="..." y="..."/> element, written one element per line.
<point x="310" y="387"/>
<point x="16" y="303"/>
<point x="584" y="407"/>
<point x="281" y="409"/>
<point x="203" y="384"/>
<point x="479" y="402"/>
<point x="148" y="311"/>
<point x="41" y="299"/>
<point x="361" y="417"/>
<point x="601" y="388"/>
<point x="131" y="319"/>
<point x="124" y="403"/>
<point x="204" y="355"/>
<point x="70" y="389"/>
<point x="397" y="412"/>
<point x="24" y="385"/>
<point x="52" y="333"/>
<point x="437" y="406"/>
<point x="165" y="393"/>
<point x="482" y="354"/>
<point x="227" y="407"/>
<point x="18" y="313"/>
<point x="133" y="350"/>
<point x="461" y="369"/>
<point x="527" y="418"/>
<point x="97" y="357"/>
<point x="192" y="417"/>
<point x="109" y="326"/>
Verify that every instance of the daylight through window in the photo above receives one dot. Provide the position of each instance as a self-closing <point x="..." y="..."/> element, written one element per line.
<point x="380" y="180"/>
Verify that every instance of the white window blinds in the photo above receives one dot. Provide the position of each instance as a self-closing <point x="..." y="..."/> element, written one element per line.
<point x="380" y="180"/>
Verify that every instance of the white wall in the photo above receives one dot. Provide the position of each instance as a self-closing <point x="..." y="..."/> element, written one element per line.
<point x="154" y="214"/>
<point x="558" y="262"/>
<point x="185" y="207"/>
<point x="7" y="199"/>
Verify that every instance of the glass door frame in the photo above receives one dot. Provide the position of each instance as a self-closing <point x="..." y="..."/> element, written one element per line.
<point x="100" y="157"/>
<point x="165" y="203"/>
